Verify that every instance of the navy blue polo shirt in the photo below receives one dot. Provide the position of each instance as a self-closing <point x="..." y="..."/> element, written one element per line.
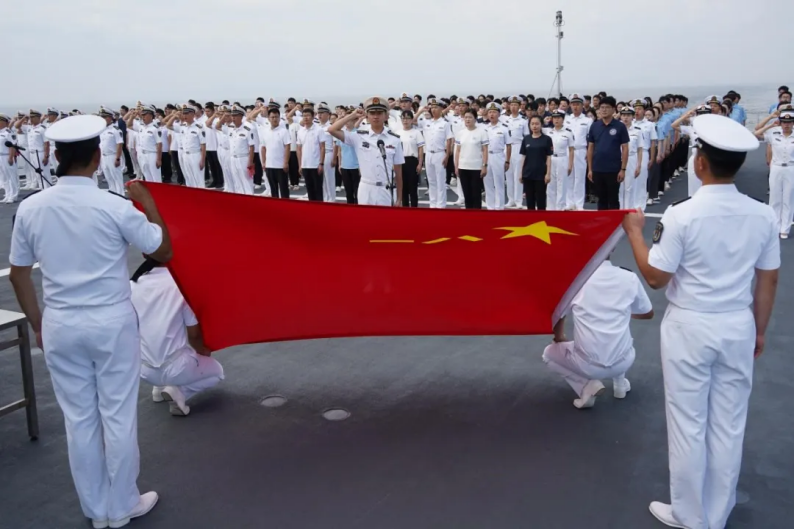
<point x="607" y="140"/>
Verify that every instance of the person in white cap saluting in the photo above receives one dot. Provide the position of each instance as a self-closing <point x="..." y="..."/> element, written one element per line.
<point x="193" y="142"/>
<point x="379" y="151"/>
<point x="9" y="176"/>
<point x="780" y="159"/>
<point x="38" y="151"/>
<point x="499" y="155"/>
<point x="149" y="142"/>
<point x="111" y="143"/>
<point x="707" y="250"/>
<point x="579" y="124"/>
<point x="693" y="182"/>
<point x="79" y="235"/>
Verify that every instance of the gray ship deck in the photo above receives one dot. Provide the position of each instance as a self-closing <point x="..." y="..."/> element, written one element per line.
<point x="444" y="432"/>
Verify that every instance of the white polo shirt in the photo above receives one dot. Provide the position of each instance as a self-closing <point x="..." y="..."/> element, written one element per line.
<point x="274" y="141"/>
<point x="470" y="144"/>
<point x="412" y="140"/>
<point x="80" y="235"/>
<point x="602" y="312"/>
<point x="163" y="316"/>
<point x="309" y="139"/>
<point x="712" y="243"/>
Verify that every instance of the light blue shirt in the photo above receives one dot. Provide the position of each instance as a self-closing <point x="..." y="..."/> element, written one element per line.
<point x="349" y="158"/>
<point x="738" y="114"/>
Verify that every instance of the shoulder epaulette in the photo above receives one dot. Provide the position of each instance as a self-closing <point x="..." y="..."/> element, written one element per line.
<point x="625" y="269"/>
<point x="393" y="133"/>
<point x="199" y="125"/>
<point x="505" y="126"/>
<point x="119" y="195"/>
<point x="361" y="131"/>
<point x="680" y="201"/>
<point x="776" y="132"/>
<point x="637" y="128"/>
<point x="246" y="127"/>
<point x="567" y="129"/>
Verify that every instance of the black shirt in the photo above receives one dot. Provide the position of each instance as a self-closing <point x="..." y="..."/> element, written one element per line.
<point x="536" y="151"/>
<point x="607" y="142"/>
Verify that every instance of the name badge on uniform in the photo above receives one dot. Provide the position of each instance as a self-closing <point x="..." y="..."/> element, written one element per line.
<point x="365" y="145"/>
<point x="657" y="232"/>
<point x="613" y="132"/>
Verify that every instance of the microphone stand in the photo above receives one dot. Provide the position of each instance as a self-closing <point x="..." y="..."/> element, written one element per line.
<point x="389" y="181"/>
<point x="38" y="170"/>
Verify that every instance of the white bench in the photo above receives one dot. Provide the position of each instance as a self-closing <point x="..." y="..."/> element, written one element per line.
<point x="8" y="320"/>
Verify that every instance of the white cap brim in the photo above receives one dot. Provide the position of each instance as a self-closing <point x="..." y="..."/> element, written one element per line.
<point x="724" y="133"/>
<point x="76" y="129"/>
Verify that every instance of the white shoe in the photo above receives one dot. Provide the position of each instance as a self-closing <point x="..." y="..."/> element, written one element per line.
<point x="176" y="401"/>
<point x="666" y="186"/>
<point x="452" y="183"/>
<point x="145" y="505"/>
<point x="458" y="203"/>
<point x="783" y="236"/>
<point x="338" y="189"/>
<point x="99" y="523"/>
<point x="664" y="512"/>
<point x="620" y="388"/>
<point x="650" y="201"/>
<point x="157" y="395"/>
<point x="592" y="389"/>
<point x="510" y="204"/>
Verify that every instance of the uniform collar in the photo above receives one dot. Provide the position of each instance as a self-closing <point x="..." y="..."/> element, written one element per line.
<point x="76" y="181"/>
<point x="718" y="188"/>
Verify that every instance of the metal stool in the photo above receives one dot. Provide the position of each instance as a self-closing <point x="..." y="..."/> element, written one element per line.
<point x="10" y="319"/>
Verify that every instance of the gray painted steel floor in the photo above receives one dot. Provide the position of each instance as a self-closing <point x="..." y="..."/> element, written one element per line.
<point x="444" y="432"/>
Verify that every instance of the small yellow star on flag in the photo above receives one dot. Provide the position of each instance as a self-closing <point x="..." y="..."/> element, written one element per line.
<point x="539" y="230"/>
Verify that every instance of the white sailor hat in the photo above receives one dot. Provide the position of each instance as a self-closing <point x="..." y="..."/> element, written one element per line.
<point x="561" y="113"/>
<point x="104" y="111"/>
<point x="713" y="99"/>
<point x="375" y="103"/>
<point x="787" y="114"/>
<point x="151" y="109"/>
<point x="323" y="107"/>
<point x="494" y="106"/>
<point x="405" y="97"/>
<point x="53" y="111"/>
<point x="75" y="129"/>
<point x="237" y="110"/>
<point x="702" y="109"/>
<point x="34" y="112"/>
<point x="188" y="108"/>
<point x="273" y="104"/>
<point x="432" y="102"/>
<point x="723" y="133"/>
<point x="627" y="109"/>
<point x="575" y="98"/>
<point x="514" y="99"/>
<point x="638" y="103"/>
<point x="5" y="118"/>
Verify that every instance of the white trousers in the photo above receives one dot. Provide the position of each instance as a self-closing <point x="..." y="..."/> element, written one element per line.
<point x="242" y="182"/>
<point x="194" y="175"/>
<point x="113" y="175"/>
<point x="515" y="189"/>
<point x="34" y="181"/>
<point x="190" y="372"/>
<point x="436" y="180"/>
<point x="226" y="166"/>
<point x="641" y="184"/>
<point x="561" y="358"/>
<point x="781" y="195"/>
<point x="151" y="173"/>
<point x="707" y="362"/>
<point x="329" y="178"/>
<point x="373" y="195"/>
<point x="494" y="182"/>
<point x="10" y="179"/>
<point x="576" y="193"/>
<point x="93" y="356"/>
<point x="626" y="194"/>
<point x="693" y="183"/>
<point x="556" y="190"/>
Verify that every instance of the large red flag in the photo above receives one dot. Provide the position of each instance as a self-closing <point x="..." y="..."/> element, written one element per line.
<point x="255" y="269"/>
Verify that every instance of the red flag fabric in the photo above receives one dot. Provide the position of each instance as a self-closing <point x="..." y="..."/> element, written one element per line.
<point x="256" y="269"/>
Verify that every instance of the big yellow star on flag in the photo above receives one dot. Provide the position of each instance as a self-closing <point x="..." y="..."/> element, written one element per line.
<point x="538" y="230"/>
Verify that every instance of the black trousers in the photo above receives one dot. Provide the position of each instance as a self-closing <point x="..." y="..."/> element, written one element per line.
<point x="450" y="169"/>
<point x="471" y="182"/>
<point x="294" y="173"/>
<point x="654" y="177"/>
<point x="212" y="170"/>
<point x="536" y="194"/>
<point x="411" y="182"/>
<point x="607" y="189"/>
<point x="258" y="171"/>
<point x="180" y="177"/>
<point x="127" y="157"/>
<point x="351" y="178"/>
<point x="165" y="168"/>
<point x="337" y="177"/>
<point x="314" y="183"/>
<point x="277" y="178"/>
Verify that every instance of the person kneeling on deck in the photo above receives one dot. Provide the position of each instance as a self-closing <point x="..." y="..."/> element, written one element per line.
<point x="174" y="357"/>
<point x="602" y="347"/>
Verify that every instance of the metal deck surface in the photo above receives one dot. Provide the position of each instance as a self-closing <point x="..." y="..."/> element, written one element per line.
<point x="451" y="432"/>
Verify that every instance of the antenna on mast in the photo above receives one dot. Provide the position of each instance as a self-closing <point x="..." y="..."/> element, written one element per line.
<point x="558" y="23"/>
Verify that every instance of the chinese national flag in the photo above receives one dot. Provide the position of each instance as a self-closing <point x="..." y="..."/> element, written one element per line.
<point x="255" y="269"/>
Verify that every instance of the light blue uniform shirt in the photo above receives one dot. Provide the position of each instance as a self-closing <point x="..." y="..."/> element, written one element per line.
<point x="349" y="158"/>
<point x="738" y="114"/>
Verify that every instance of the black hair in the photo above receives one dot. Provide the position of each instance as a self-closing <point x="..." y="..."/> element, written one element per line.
<point x="415" y="105"/>
<point x="723" y="164"/>
<point x="308" y="110"/>
<point x="536" y="117"/>
<point x="554" y="100"/>
<point x="75" y="154"/>
<point x="531" y="97"/>
<point x="541" y="101"/>
<point x="160" y="112"/>
<point x="608" y="100"/>
<point x="225" y="102"/>
<point x="472" y="112"/>
<point x="407" y="114"/>
<point x="785" y="92"/>
<point x="146" y="267"/>
<point x="783" y="88"/>
<point x="273" y="110"/>
<point x="291" y="100"/>
<point x="565" y="100"/>
<point x="532" y="105"/>
<point x="418" y="96"/>
<point x="588" y="98"/>
<point x="125" y="108"/>
<point x="260" y="98"/>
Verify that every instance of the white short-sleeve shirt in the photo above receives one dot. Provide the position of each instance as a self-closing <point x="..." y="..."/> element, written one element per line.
<point x="370" y="161"/>
<point x="602" y="312"/>
<point x="470" y="144"/>
<point x="80" y="234"/>
<point x="412" y="140"/>
<point x="109" y="138"/>
<point x="310" y="139"/>
<point x="712" y="243"/>
<point x="274" y="141"/>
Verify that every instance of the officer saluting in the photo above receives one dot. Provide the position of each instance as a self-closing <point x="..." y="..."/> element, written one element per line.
<point x="89" y="330"/>
<point x="371" y="145"/>
<point x="709" y="248"/>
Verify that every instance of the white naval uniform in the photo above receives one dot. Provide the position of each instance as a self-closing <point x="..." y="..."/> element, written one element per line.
<point x="191" y="138"/>
<point x="602" y="346"/>
<point x="494" y="181"/>
<point x="108" y="140"/>
<point x="80" y="236"/>
<point x="148" y="136"/>
<point x="9" y="175"/>
<point x="372" y="189"/>
<point x="692" y="181"/>
<point x="241" y="139"/>
<point x="167" y="359"/>
<point x="457" y="125"/>
<point x="132" y="147"/>
<point x="436" y="133"/>
<point x="580" y="127"/>
<point x="36" y="138"/>
<point x="628" y="190"/>
<point x="519" y="128"/>
<point x="781" y="177"/>
<point x="711" y="243"/>
<point x="224" y="157"/>
<point x="329" y="173"/>
<point x="641" y="182"/>
<point x="561" y="180"/>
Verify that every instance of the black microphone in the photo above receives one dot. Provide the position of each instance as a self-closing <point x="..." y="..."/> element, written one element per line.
<point x="382" y="149"/>
<point x="9" y="144"/>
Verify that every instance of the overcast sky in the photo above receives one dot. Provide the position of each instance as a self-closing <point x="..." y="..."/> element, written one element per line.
<point x="106" y="51"/>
